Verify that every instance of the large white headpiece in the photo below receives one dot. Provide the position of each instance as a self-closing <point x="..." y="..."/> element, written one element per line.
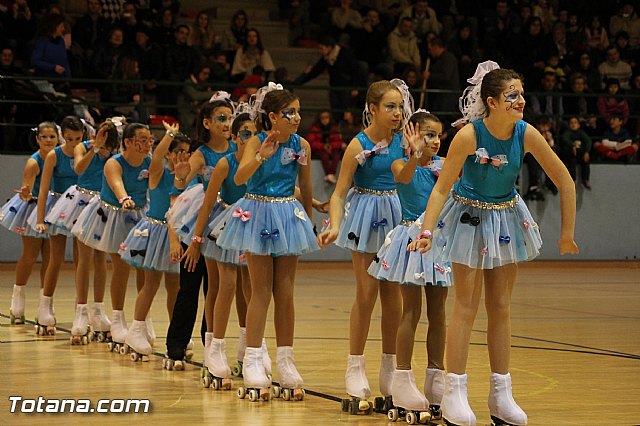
<point x="470" y="103"/>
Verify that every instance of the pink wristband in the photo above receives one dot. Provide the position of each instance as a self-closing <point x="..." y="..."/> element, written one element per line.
<point x="197" y="239"/>
<point x="426" y="234"/>
<point x="123" y="199"/>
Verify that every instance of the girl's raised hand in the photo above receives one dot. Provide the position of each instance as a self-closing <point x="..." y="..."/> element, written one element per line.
<point x="173" y="128"/>
<point x="270" y="145"/>
<point x="412" y="135"/>
<point x="100" y="138"/>
<point x="181" y="166"/>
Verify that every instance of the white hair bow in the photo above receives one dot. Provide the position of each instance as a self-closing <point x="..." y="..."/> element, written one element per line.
<point x="470" y="103"/>
<point x="274" y="86"/>
<point x="220" y="95"/>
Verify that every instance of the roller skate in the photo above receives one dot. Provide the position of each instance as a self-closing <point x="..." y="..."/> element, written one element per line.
<point x="46" y="321"/>
<point x="81" y="332"/>
<point x="242" y="346"/>
<point x="188" y="352"/>
<point x="151" y="331"/>
<point x="433" y="390"/>
<point x="176" y="358"/>
<point x="382" y="404"/>
<point x="100" y="323"/>
<point x="290" y="387"/>
<point x="16" y="312"/>
<point x="502" y="407"/>
<point x="455" y="404"/>
<point x="218" y="374"/>
<point x="410" y="404"/>
<point x="204" y="371"/>
<point x="118" y="333"/>
<point x="137" y="342"/>
<point x="357" y="387"/>
<point x="256" y="382"/>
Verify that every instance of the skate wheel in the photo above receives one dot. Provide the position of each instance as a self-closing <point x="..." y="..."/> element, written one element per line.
<point x="178" y="365"/>
<point x="411" y="418"/>
<point x="253" y="395"/>
<point x="286" y="394"/>
<point x="226" y="384"/>
<point x="237" y="370"/>
<point x="392" y="415"/>
<point x="134" y="357"/>
<point x="241" y="393"/>
<point x="124" y="349"/>
<point x="276" y="391"/>
<point x="110" y="346"/>
<point x="85" y="340"/>
<point x="206" y="382"/>
<point x="298" y="394"/>
<point x="101" y="337"/>
<point x="215" y="384"/>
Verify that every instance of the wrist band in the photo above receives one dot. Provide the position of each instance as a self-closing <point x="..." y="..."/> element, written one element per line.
<point x="426" y="234"/>
<point x="96" y="150"/>
<point x="259" y="158"/>
<point x="170" y="133"/>
<point x="178" y="179"/>
<point x="417" y="154"/>
<point x="197" y="239"/>
<point x="123" y="199"/>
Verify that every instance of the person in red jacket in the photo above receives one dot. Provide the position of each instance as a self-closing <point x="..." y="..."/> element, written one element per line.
<point x="326" y="144"/>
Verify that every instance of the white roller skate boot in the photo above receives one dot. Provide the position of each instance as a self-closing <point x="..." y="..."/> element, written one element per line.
<point x="455" y="404"/>
<point x="357" y="387"/>
<point x="151" y="331"/>
<point x="100" y="323"/>
<point x="502" y="407"/>
<point x="218" y="372"/>
<point x="290" y="380"/>
<point x="81" y="333"/>
<point x="266" y="360"/>
<point x="242" y="346"/>
<point x="409" y="403"/>
<point x="137" y="341"/>
<point x="434" y="389"/>
<point x="256" y="382"/>
<point x="208" y="337"/>
<point x="16" y="311"/>
<point x="387" y="369"/>
<point x="188" y="352"/>
<point x="118" y="333"/>
<point x="46" y="321"/>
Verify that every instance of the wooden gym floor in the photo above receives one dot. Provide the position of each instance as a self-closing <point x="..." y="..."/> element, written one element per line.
<point x="575" y="357"/>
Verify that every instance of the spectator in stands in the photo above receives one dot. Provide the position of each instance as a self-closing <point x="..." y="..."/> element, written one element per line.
<point x="616" y="143"/>
<point x="553" y="65"/>
<point x="250" y="55"/>
<point x="596" y="36"/>
<point x="534" y="191"/>
<point x="164" y="33"/>
<point x="549" y="103"/>
<point x="413" y="78"/>
<point x="107" y="56"/>
<point x="125" y="93"/>
<point x="627" y="54"/>
<point x="8" y="111"/>
<point x="111" y="10"/>
<point x="574" y="149"/>
<point x="49" y="56"/>
<point x="501" y="25"/>
<point x="180" y="59"/>
<point x="424" y="20"/>
<point x="149" y="56"/>
<point x="633" y="97"/>
<point x="403" y="47"/>
<point x="345" y="22"/>
<point x="579" y="104"/>
<point x="585" y="67"/>
<point x="576" y="38"/>
<point x="557" y="42"/>
<point x="613" y="67"/>
<point x="220" y="67"/>
<point x="249" y="85"/>
<point x="90" y="30"/>
<point x="326" y="144"/>
<point x="203" y="37"/>
<point x="531" y="52"/>
<point x="20" y="27"/>
<point x="195" y="91"/>
<point x="613" y="102"/>
<point x="236" y="35"/>
<point x="350" y="125"/>
<point x="369" y="40"/>
<point x="342" y="66"/>
<point x="158" y="6"/>
<point x="465" y="48"/>
<point x="129" y="23"/>
<point x="626" y="20"/>
<point x="543" y="10"/>
<point x="442" y="74"/>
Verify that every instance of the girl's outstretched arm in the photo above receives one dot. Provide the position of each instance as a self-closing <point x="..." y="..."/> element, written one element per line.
<point x="45" y="184"/>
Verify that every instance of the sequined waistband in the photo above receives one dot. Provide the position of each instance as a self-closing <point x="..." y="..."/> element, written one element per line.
<point x="156" y="221"/>
<point x="55" y="194"/>
<point x="407" y="222"/>
<point x="87" y="191"/>
<point x="486" y="205"/>
<point x="116" y="208"/>
<point x="266" y="199"/>
<point x="368" y="191"/>
<point x="222" y="203"/>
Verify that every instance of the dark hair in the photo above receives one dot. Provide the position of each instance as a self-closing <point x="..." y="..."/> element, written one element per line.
<point x="183" y="26"/>
<point x="258" y="44"/>
<point x="206" y="110"/>
<point x="327" y="41"/>
<point x="275" y="101"/>
<point x="48" y="24"/>
<point x="493" y="83"/>
<point x="178" y="139"/>
<point x="422" y="116"/>
<point x="47" y="125"/>
<point x="130" y="132"/>
<point x="437" y="41"/>
<point x="71" y="122"/>
<point x="237" y="13"/>
<point x="239" y="121"/>
<point x="113" y="137"/>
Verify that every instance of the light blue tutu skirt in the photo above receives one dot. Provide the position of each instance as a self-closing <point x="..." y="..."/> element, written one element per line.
<point x="147" y="247"/>
<point x="15" y="214"/>
<point x="211" y="250"/>
<point x="52" y="199"/>
<point x="276" y="227"/>
<point x="186" y="206"/>
<point x="65" y="212"/>
<point x="367" y="219"/>
<point x="185" y="232"/>
<point x="104" y="227"/>
<point x="486" y="238"/>
<point x="394" y="263"/>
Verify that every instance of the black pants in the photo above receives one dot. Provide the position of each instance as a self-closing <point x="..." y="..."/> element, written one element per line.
<point x="572" y="161"/>
<point x="186" y="309"/>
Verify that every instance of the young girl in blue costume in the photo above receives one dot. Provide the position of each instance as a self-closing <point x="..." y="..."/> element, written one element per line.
<point x="107" y="220"/>
<point x="16" y="212"/>
<point x="415" y="177"/>
<point x="360" y="217"/>
<point x="272" y="228"/>
<point x="90" y="157"/>
<point x="228" y="265"/>
<point x="152" y="245"/>
<point x="485" y="229"/>
<point x="58" y="175"/>
<point x="214" y="133"/>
